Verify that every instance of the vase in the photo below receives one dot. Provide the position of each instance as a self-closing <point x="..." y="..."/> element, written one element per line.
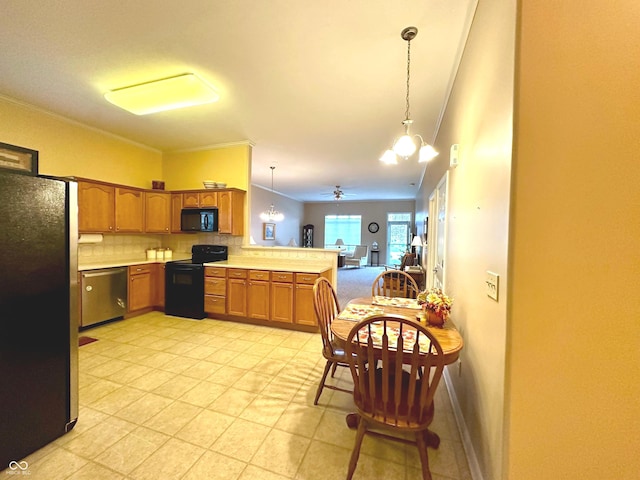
<point x="433" y="318"/>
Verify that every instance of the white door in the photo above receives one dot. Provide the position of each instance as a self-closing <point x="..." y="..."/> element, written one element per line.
<point x="438" y="233"/>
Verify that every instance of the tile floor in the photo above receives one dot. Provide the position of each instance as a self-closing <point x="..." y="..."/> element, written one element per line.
<point x="170" y="398"/>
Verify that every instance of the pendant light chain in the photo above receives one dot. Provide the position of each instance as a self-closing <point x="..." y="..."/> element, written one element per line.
<point x="406" y="115"/>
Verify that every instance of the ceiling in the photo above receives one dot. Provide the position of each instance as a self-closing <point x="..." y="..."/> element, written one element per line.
<point x="317" y="87"/>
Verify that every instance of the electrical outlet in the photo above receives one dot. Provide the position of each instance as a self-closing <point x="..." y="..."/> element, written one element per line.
<point x="459" y="367"/>
<point x="492" y="285"/>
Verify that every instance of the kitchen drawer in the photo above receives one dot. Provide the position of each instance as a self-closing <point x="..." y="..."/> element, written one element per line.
<point x="215" y="272"/>
<point x="236" y="273"/>
<point x="139" y="269"/>
<point x="282" y="277"/>
<point x="214" y="304"/>
<point x="259" y="275"/>
<point x="306" y="278"/>
<point x="215" y="286"/>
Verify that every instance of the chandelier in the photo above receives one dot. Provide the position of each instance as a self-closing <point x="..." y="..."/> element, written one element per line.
<point x="406" y="145"/>
<point x="271" y="214"/>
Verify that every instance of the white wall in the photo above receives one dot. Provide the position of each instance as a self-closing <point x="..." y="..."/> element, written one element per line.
<point x="290" y="227"/>
<point x="479" y="119"/>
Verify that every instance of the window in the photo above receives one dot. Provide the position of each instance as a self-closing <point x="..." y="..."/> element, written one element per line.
<point x="346" y="227"/>
<point x="398" y="236"/>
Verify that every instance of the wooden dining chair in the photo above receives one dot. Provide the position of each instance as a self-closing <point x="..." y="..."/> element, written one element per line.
<point x="325" y="304"/>
<point x="396" y="395"/>
<point x="395" y="283"/>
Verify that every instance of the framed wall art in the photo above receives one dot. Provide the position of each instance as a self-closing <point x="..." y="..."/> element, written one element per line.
<point x="18" y="159"/>
<point x="268" y="231"/>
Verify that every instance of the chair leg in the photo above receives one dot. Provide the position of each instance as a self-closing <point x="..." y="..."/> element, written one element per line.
<point x="362" y="428"/>
<point x="324" y="377"/>
<point x="424" y="456"/>
<point x="333" y="369"/>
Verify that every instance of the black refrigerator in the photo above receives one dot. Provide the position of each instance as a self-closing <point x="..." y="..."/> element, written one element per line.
<point x="38" y="312"/>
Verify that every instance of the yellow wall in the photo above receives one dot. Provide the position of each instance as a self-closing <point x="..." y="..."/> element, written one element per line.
<point x="68" y="148"/>
<point x="187" y="170"/>
<point x="574" y="315"/>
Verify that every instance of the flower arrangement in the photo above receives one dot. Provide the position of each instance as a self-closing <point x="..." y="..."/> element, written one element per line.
<point x="436" y="301"/>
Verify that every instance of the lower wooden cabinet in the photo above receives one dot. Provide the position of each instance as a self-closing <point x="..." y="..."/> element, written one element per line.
<point x="160" y="284"/>
<point x="305" y="313"/>
<point x="215" y="290"/>
<point x="237" y="292"/>
<point x="282" y="297"/>
<point x="141" y="289"/>
<point x="258" y="299"/>
<point x="277" y="296"/>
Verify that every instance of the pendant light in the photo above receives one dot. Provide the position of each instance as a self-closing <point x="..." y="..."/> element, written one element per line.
<point x="406" y="146"/>
<point x="271" y="215"/>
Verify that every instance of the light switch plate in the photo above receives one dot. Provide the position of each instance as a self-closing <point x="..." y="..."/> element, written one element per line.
<point x="492" y="285"/>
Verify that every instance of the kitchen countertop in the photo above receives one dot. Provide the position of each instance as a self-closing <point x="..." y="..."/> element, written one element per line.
<point x="250" y="263"/>
<point x="260" y="264"/>
<point x="126" y="262"/>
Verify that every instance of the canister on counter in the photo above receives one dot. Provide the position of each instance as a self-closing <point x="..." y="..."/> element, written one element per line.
<point x="159" y="253"/>
<point x="168" y="254"/>
<point x="151" y="253"/>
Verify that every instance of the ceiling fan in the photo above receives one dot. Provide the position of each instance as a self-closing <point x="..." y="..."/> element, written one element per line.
<point x="338" y="193"/>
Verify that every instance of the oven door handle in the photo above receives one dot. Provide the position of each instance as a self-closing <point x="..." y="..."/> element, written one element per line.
<point x="184" y="268"/>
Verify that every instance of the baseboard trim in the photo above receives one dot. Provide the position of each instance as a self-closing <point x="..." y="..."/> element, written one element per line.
<point x="472" y="459"/>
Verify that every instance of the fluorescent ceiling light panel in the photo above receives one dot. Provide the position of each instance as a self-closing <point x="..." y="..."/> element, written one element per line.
<point x="171" y="93"/>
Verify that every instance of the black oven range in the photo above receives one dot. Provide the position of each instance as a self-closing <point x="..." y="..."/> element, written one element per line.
<point x="184" y="281"/>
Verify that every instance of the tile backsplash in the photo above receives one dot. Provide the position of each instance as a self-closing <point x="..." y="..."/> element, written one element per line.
<point x="116" y="247"/>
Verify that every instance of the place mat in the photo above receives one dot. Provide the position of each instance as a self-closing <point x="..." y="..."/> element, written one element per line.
<point x="409" y="336"/>
<point x="356" y="312"/>
<point x="396" y="302"/>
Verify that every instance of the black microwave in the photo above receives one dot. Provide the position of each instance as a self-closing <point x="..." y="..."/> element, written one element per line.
<point x="199" y="220"/>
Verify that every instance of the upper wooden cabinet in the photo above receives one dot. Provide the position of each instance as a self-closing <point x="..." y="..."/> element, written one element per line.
<point x="176" y="209"/>
<point x="157" y="212"/>
<point x="200" y="199"/>
<point x="231" y="212"/>
<point x="129" y="210"/>
<point x="108" y="208"/>
<point x="96" y="207"/>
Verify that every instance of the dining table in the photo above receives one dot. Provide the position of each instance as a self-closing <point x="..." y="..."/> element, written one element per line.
<point x="360" y="308"/>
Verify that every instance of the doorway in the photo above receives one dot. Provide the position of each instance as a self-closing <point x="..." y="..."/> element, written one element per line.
<point x="398" y="236"/>
<point x="437" y="234"/>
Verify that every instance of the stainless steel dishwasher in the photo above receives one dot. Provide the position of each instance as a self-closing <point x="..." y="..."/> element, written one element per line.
<point x="104" y="295"/>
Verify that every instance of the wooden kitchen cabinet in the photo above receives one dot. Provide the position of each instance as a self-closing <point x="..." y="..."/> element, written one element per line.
<point x="129" y="209"/>
<point x="215" y="290"/>
<point x="176" y="211"/>
<point x="282" y="297"/>
<point x="157" y="212"/>
<point x="237" y="292"/>
<point x="96" y="212"/>
<point x="200" y="199"/>
<point x="231" y="212"/>
<point x="258" y="294"/>
<point x="141" y="291"/>
<point x="304" y="311"/>
<point x="159" y="273"/>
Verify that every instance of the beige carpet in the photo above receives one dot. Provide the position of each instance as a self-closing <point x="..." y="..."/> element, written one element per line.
<point x="355" y="282"/>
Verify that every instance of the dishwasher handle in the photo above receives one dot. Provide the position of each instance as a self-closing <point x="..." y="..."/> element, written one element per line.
<point x="102" y="273"/>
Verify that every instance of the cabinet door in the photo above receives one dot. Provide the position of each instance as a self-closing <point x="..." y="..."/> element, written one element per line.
<point x="231" y="212"/>
<point x="190" y="200"/>
<point x="160" y="284"/>
<point x="176" y="212"/>
<point x="305" y="314"/>
<point x="95" y="207"/>
<point x="157" y="212"/>
<point x="208" y="199"/>
<point x="282" y="302"/>
<point x="237" y="296"/>
<point x="258" y="299"/>
<point x="129" y="210"/>
<point x="140" y="287"/>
